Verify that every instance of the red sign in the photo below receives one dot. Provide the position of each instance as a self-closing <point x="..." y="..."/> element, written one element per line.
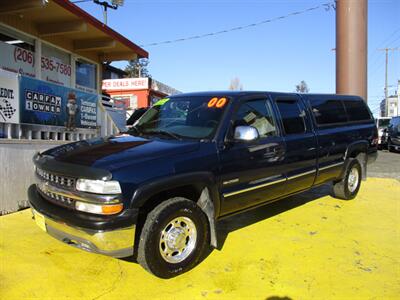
<point x="125" y="84"/>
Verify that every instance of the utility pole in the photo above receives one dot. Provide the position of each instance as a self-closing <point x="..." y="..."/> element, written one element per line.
<point x="351" y="47"/>
<point x="386" y="77"/>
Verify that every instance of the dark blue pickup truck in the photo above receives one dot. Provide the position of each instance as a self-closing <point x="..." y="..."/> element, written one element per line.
<point x="157" y="191"/>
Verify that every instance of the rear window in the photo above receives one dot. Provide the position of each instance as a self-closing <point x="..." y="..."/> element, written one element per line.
<point x="292" y="116"/>
<point x="328" y="111"/>
<point x="357" y="110"/>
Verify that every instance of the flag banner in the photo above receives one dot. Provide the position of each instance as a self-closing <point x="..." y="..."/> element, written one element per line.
<point x="9" y="99"/>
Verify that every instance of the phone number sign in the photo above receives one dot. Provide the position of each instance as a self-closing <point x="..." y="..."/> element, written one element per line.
<point x="19" y="60"/>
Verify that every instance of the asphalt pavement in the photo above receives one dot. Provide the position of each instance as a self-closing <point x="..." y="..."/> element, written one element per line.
<point x="387" y="165"/>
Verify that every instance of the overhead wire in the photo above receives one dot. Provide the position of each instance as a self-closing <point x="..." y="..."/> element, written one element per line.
<point x="327" y="6"/>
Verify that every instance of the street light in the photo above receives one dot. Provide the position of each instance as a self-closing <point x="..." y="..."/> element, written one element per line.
<point x="114" y="5"/>
<point x="118" y="2"/>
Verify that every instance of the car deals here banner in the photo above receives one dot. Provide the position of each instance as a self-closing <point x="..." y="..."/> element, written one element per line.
<point x="9" y="98"/>
<point x="50" y="104"/>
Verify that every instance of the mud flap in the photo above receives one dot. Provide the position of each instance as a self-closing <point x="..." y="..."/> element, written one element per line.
<point x="207" y="206"/>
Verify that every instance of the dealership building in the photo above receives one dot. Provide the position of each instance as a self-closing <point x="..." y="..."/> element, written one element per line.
<point x="57" y="50"/>
<point x="51" y="64"/>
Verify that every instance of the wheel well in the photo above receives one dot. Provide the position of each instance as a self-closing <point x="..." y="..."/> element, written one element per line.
<point x="361" y="155"/>
<point x="191" y="192"/>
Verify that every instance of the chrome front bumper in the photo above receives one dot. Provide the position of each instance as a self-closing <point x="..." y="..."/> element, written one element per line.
<point x="116" y="243"/>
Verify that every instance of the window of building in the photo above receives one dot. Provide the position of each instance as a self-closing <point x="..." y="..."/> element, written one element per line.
<point x="17" y="39"/>
<point x="292" y="116"/>
<point x="356" y="110"/>
<point x="16" y="52"/>
<point x="257" y="113"/>
<point x="328" y="111"/>
<point x="86" y="75"/>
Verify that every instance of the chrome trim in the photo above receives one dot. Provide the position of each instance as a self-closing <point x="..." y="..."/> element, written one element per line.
<point x="302" y="174"/>
<point x="254" y="187"/>
<point x="265" y="179"/>
<point x="116" y="243"/>
<point x="331" y="166"/>
<point x="46" y="186"/>
<point x="231" y="181"/>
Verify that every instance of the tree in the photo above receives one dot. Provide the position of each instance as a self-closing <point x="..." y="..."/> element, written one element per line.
<point x="235" y="84"/>
<point x="302" y="87"/>
<point x="138" y="68"/>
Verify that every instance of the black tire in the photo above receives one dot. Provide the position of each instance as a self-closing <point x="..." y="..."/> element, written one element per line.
<point x="149" y="250"/>
<point x="342" y="189"/>
<point x="390" y="147"/>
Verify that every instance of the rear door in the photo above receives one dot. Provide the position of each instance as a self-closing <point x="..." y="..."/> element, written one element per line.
<point x="333" y="134"/>
<point x="301" y="149"/>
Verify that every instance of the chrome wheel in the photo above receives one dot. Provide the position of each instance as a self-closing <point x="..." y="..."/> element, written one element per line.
<point x="178" y="240"/>
<point x="353" y="179"/>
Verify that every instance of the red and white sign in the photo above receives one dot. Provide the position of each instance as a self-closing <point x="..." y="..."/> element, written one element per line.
<point x="125" y="84"/>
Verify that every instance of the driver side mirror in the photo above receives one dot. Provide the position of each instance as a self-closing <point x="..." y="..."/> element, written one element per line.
<point x="246" y="133"/>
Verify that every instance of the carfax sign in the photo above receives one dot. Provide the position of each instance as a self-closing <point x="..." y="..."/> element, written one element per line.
<point x="49" y="104"/>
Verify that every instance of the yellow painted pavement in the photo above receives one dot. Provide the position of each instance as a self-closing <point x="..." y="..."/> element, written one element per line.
<point x="309" y="246"/>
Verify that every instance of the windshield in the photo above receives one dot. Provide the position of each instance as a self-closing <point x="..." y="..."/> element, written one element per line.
<point x="183" y="117"/>
<point x="383" y="123"/>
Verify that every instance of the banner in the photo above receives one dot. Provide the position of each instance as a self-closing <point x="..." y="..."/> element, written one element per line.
<point x="9" y="98"/>
<point x="125" y="84"/>
<point x="49" y="104"/>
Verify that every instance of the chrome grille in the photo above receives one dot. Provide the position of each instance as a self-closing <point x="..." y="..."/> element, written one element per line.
<point x="63" y="181"/>
<point x="57" y="199"/>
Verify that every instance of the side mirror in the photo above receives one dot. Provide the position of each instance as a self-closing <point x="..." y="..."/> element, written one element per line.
<point x="246" y="133"/>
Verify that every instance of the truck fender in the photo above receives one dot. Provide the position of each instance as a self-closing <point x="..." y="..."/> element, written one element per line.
<point x="209" y="200"/>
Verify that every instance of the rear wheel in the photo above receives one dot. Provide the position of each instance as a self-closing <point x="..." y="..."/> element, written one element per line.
<point x="174" y="238"/>
<point x="349" y="186"/>
<point x="389" y="145"/>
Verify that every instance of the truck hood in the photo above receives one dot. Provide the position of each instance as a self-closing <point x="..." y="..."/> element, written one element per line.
<point x="116" y="151"/>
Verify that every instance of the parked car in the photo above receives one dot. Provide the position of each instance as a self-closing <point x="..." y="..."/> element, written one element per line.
<point x="157" y="191"/>
<point x="382" y="124"/>
<point x="394" y="134"/>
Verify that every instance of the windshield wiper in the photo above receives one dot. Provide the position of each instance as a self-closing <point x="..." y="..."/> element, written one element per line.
<point x="164" y="132"/>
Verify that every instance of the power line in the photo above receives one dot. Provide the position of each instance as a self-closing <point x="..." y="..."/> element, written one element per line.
<point x="326" y="6"/>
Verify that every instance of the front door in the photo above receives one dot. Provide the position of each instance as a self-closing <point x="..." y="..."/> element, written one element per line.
<point x="252" y="173"/>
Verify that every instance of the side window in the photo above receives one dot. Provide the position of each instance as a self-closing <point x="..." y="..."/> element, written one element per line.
<point x="356" y="110"/>
<point x="292" y="116"/>
<point x="328" y="111"/>
<point x="257" y="113"/>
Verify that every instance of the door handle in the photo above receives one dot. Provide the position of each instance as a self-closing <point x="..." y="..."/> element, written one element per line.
<point x="274" y="152"/>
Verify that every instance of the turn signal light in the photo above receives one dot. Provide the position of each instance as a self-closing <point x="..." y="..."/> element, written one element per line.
<point x="100" y="209"/>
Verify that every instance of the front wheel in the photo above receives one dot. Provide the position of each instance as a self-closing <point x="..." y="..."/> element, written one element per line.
<point x="174" y="238"/>
<point x="349" y="186"/>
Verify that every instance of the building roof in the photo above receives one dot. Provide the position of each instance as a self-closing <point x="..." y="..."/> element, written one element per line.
<point x="64" y="24"/>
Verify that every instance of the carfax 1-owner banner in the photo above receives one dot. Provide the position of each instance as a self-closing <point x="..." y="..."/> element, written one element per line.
<point x="49" y="104"/>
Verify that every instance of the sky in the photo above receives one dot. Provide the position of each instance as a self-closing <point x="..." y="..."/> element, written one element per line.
<point x="274" y="56"/>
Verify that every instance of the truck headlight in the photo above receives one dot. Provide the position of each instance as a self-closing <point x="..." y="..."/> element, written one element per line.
<point x="98" y="186"/>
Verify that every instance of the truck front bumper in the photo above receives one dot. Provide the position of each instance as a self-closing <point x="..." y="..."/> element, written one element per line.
<point x="115" y="241"/>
